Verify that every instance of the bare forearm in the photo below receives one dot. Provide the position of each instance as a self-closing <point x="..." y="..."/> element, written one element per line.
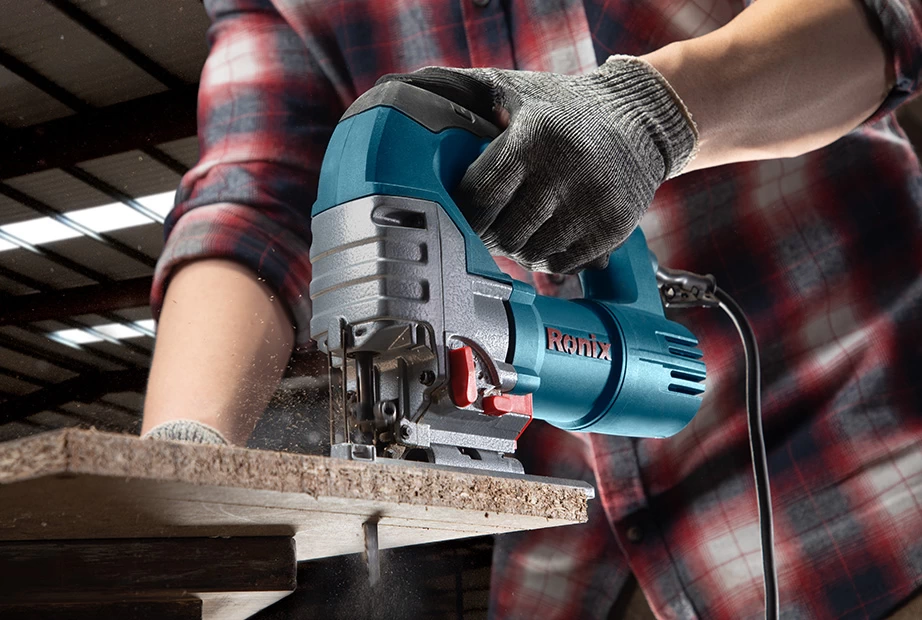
<point x="783" y="78"/>
<point x="223" y="342"/>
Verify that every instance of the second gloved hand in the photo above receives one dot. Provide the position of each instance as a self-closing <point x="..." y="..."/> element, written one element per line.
<point x="577" y="166"/>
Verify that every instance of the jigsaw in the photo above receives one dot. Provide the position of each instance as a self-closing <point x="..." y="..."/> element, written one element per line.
<point x="438" y="356"/>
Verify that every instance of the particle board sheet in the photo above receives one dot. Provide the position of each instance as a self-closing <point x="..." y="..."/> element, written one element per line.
<point x="78" y="484"/>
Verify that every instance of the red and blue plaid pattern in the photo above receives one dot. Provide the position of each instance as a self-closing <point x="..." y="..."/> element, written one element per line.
<point x="824" y="252"/>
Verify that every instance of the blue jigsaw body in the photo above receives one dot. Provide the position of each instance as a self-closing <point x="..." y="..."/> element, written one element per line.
<point x="610" y="362"/>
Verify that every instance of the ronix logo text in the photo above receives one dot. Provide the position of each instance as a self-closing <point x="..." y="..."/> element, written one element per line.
<point x="573" y="345"/>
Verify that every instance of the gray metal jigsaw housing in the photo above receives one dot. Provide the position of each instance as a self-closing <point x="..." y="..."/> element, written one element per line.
<point x="391" y="296"/>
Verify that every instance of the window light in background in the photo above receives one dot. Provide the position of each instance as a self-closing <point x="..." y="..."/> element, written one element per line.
<point x="101" y="219"/>
<point x="105" y="218"/>
<point x="117" y="331"/>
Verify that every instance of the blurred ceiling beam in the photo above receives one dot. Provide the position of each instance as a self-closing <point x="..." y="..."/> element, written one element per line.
<point x="60" y="304"/>
<point x="86" y="387"/>
<point x="136" y="56"/>
<point x="137" y="124"/>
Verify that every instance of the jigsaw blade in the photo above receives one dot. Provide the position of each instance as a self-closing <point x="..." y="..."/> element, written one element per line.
<point x="372" y="556"/>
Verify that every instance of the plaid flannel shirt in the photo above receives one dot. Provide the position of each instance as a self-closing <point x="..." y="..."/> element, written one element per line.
<point x="824" y="252"/>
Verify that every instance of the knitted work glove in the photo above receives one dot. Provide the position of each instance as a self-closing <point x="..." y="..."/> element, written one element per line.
<point x="577" y="166"/>
<point x="186" y="430"/>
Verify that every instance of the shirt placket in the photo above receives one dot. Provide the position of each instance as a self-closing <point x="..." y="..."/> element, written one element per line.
<point x="487" y="31"/>
<point x="627" y="508"/>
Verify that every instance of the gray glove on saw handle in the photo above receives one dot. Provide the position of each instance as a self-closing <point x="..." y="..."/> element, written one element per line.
<point x="577" y="166"/>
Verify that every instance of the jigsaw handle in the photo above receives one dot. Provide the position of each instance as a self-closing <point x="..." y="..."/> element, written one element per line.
<point x="400" y="140"/>
<point x="629" y="279"/>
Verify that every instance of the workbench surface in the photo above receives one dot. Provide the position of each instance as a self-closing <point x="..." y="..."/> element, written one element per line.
<point x="79" y="485"/>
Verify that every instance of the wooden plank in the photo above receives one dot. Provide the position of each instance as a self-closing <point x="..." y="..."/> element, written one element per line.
<point x="180" y="609"/>
<point x="74" y="484"/>
<point x="117" y="486"/>
<point x="237" y="605"/>
<point x="204" y="606"/>
<point x="97" y="569"/>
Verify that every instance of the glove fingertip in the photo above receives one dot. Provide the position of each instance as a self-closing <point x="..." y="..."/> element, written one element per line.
<point x="489" y="185"/>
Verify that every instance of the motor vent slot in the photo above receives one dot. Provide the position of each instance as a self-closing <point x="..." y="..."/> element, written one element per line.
<point x="400" y="218"/>
<point x="686" y="389"/>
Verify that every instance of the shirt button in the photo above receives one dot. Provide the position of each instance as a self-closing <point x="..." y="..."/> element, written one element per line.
<point x="635" y="533"/>
<point x="481" y="3"/>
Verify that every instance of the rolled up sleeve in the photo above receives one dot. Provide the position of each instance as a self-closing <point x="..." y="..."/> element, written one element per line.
<point x="899" y="23"/>
<point x="265" y="114"/>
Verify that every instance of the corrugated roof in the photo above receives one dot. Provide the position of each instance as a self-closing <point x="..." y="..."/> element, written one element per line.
<point x="46" y="40"/>
<point x="169" y="33"/>
<point x="93" y="224"/>
<point x="185" y="151"/>
<point x="23" y="104"/>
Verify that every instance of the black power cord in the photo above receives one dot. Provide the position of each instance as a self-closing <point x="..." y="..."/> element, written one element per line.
<point x="681" y="289"/>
